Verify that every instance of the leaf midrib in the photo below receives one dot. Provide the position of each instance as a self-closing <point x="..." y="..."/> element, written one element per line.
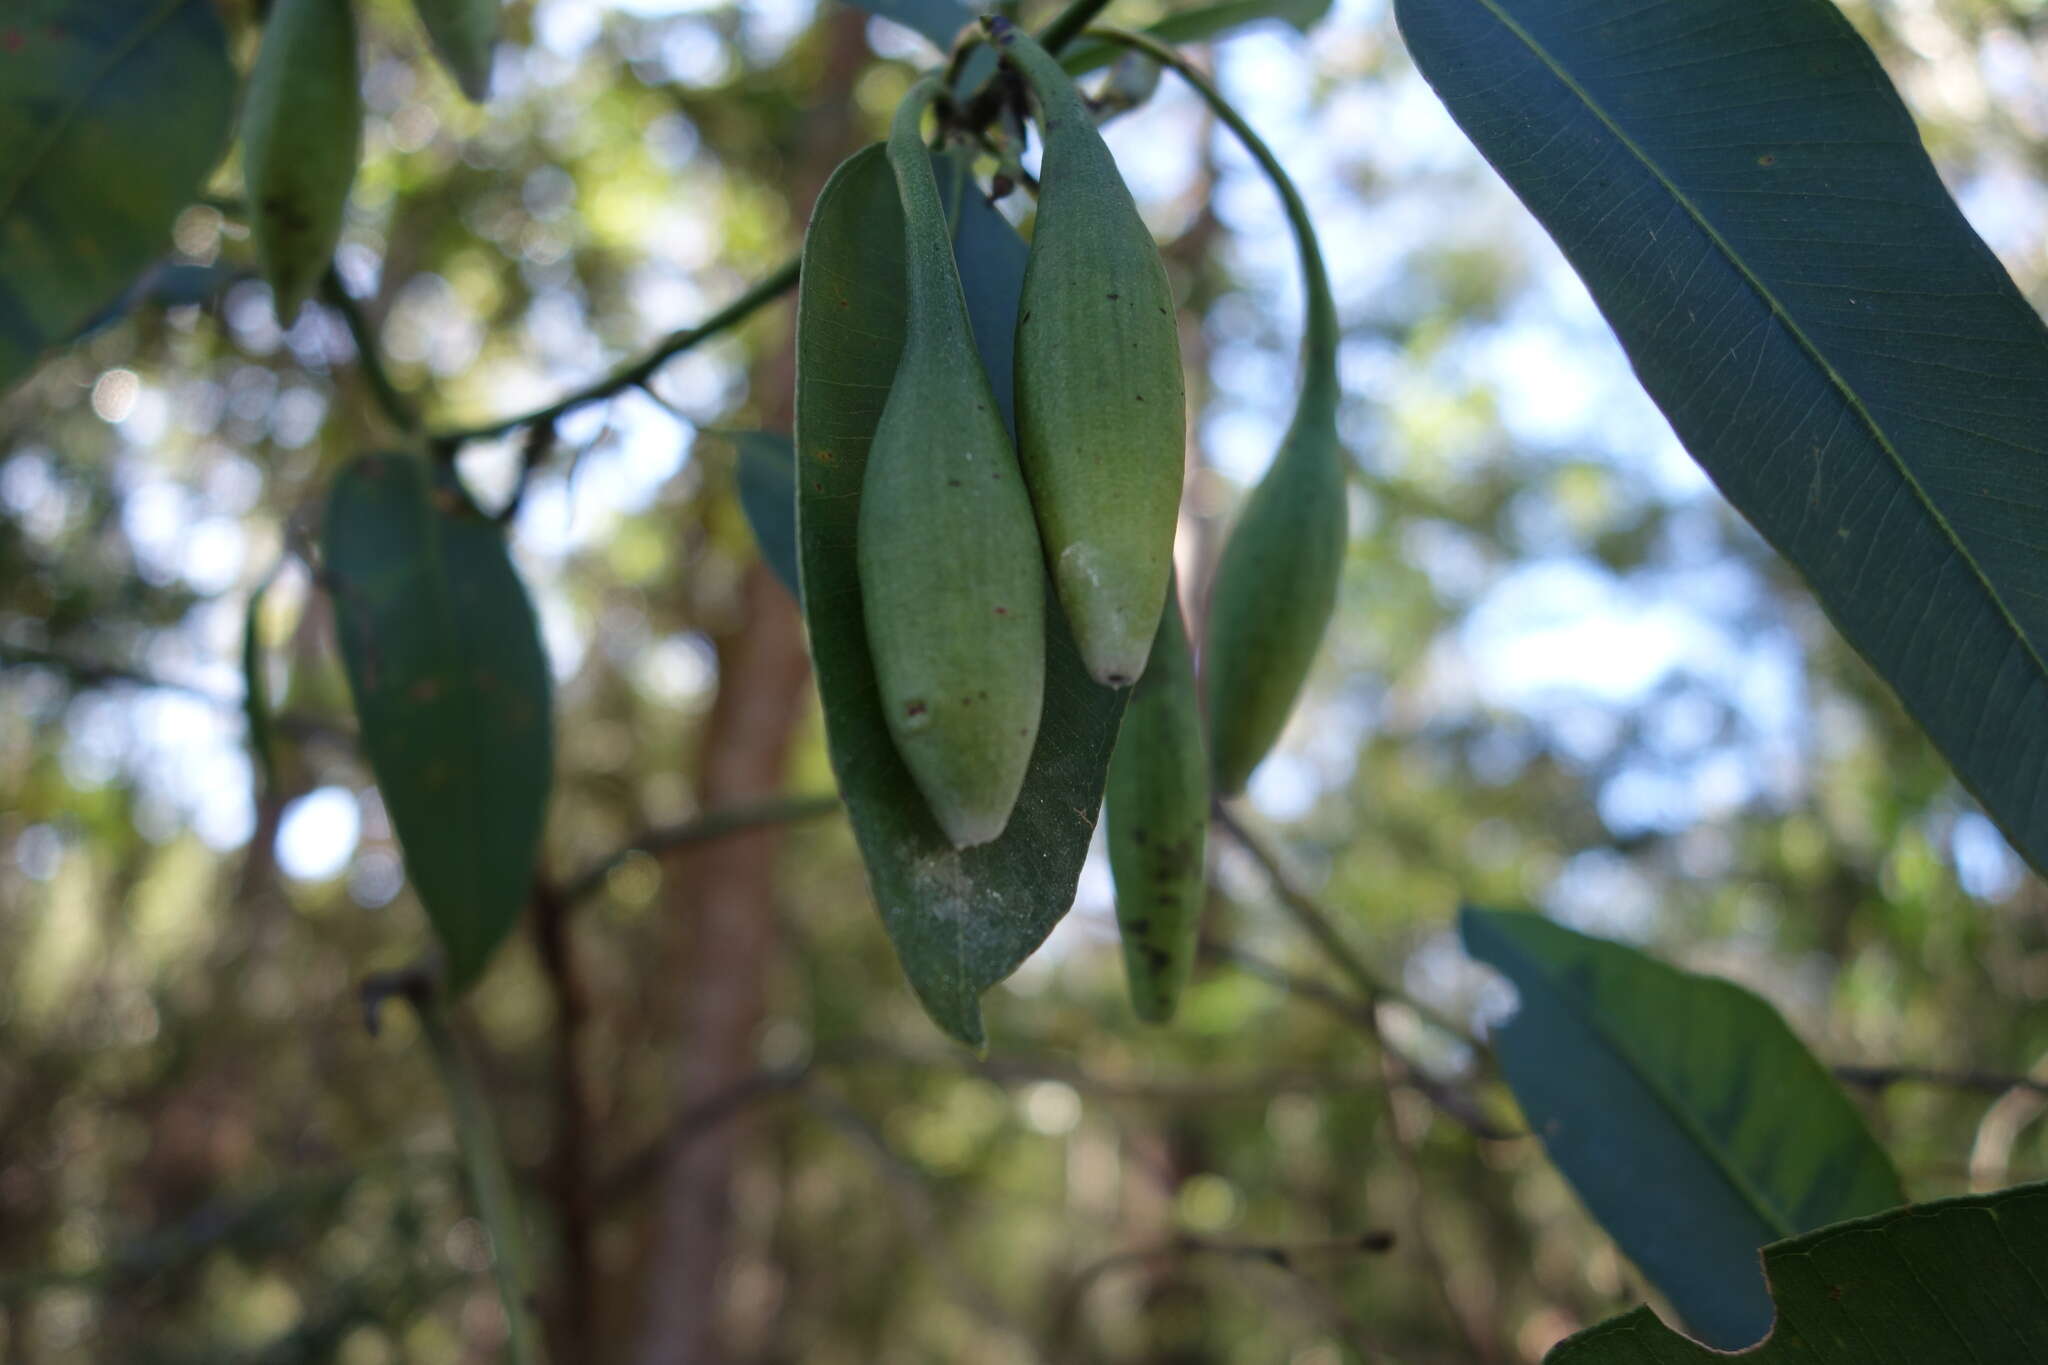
<point x="61" y="127"/>
<point x="455" y="651"/>
<point x="1778" y="311"/>
<point x="1762" y="1206"/>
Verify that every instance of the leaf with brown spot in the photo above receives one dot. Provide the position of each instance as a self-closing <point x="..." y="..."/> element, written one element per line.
<point x="451" y="684"/>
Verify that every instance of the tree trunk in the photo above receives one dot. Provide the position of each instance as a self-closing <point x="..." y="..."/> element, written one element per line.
<point x="724" y="890"/>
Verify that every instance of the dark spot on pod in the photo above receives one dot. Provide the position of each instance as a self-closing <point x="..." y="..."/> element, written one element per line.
<point x="952" y="483"/>
<point x="916" y="708"/>
<point x="1000" y="611"/>
<point x="1138" y="838"/>
<point x="1159" y="958"/>
<point x="1112" y="297"/>
<point x="1026" y="318"/>
<point x="1376" y="1241"/>
<point x="1141" y="926"/>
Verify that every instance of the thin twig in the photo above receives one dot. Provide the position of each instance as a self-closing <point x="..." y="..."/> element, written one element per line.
<point x="1983" y="1082"/>
<point x="490" y="1181"/>
<point x="1456" y="1104"/>
<point x="1321" y="926"/>
<point x="369" y="359"/>
<point x="636" y="373"/>
<point x="717" y="824"/>
<point x="570" y="1159"/>
<point x="1287" y="1257"/>
<point x="915" y="1201"/>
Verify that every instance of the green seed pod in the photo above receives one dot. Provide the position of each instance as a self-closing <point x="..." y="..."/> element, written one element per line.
<point x="1101" y="411"/>
<point x="1158" y="819"/>
<point x="1276" y="581"/>
<point x="302" y="125"/>
<point x="951" y="576"/>
<point x="464" y="33"/>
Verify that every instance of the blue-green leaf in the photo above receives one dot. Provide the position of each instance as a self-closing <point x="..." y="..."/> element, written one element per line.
<point x="767" y="486"/>
<point x="1958" y="1282"/>
<point x="938" y="20"/>
<point x="451" y="684"/>
<point x="1750" y="204"/>
<point x="961" y="920"/>
<point x="1692" y="1122"/>
<point x="111" y="114"/>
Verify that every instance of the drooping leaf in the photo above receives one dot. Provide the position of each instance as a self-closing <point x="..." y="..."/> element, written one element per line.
<point x="961" y="920"/>
<point x="1751" y="207"/>
<point x="165" y="284"/>
<point x="1694" y="1125"/>
<point x="938" y="20"/>
<point x="464" y="34"/>
<point x="301" y="139"/>
<point x="767" y="485"/>
<point x="111" y="114"/>
<point x="451" y="684"/>
<point x="1956" y="1282"/>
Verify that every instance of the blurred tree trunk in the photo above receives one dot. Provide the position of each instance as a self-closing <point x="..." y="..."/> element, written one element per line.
<point x="724" y="891"/>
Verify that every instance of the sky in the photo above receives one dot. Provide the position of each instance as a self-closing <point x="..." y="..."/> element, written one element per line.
<point x="1557" y="638"/>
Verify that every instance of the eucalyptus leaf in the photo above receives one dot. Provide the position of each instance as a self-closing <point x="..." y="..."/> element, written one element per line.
<point x="938" y="20"/>
<point x="464" y="34"/>
<point x="767" y="487"/>
<point x="1749" y="202"/>
<point x="1956" y="1282"/>
<point x="112" y="113"/>
<point x="961" y="920"/>
<point x="1694" y="1125"/>
<point x="451" y="684"/>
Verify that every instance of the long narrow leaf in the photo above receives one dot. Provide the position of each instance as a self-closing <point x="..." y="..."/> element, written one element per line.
<point x="1748" y="201"/>
<point x="1959" y="1282"/>
<point x="960" y="920"/>
<point x="1692" y="1122"/>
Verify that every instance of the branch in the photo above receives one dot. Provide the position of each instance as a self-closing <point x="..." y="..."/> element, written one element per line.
<point x="716" y="824"/>
<point x="1456" y="1104"/>
<point x="1286" y="1257"/>
<point x="570" y="1157"/>
<point x="1321" y="926"/>
<point x="1068" y="23"/>
<point x="369" y="359"/>
<point x="490" y="1182"/>
<point x="633" y="1172"/>
<point x="635" y="374"/>
<point x="917" y="1207"/>
<point x="1983" y="1082"/>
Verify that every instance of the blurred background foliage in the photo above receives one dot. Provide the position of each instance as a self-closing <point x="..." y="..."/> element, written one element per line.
<point x="1564" y="675"/>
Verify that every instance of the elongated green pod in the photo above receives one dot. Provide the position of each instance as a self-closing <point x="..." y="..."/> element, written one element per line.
<point x="950" y="576"/>
<point x="302" y="129"/>
<point x="1101" y="407"/>
<point x="464" y="33"/>
<point x="1158" y="819"/>
<point x="1276" y="582"/>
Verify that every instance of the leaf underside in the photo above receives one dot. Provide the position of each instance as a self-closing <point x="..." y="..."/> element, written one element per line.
<point x="1693" y="1123"/>
<point x="1747" y="199"/>
<point x="961" y="920"/>
<point x="451" y="685"/>
<point x="112" y="112"/>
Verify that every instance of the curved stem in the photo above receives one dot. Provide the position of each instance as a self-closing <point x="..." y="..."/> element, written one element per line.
<point x="1320" y="333"/>
<point x="636" y="373"/>
<point x="1068" y="23"/>
<point x="369" y="359"/>
<point x="490" y="1181"/>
